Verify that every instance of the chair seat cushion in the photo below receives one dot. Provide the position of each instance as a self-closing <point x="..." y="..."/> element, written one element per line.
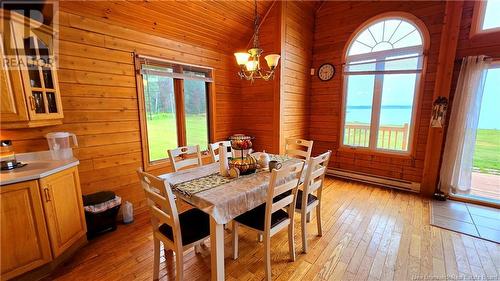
<point x="310" y="199"/>
<point x="195" y="225"/>
<point x="255" y="218"/>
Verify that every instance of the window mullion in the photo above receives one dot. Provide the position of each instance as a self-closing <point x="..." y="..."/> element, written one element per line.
<point x="210" y="121"/>
<point x="377" y="102"/>
<point x="180" y="112"/>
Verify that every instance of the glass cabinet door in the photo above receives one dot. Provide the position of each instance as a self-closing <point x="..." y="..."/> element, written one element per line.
<point x="39" y="75"/>
<point x="43" y="97"/>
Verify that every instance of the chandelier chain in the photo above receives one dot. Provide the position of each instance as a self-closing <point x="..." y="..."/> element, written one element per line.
<point x="250" y="62"/>
<point x="256" y="26"/>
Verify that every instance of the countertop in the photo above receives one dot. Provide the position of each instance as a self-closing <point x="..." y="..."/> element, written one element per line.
<point x="40" y="165"/>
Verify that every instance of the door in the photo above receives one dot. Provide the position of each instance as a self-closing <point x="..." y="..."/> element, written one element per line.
<point x="485" y="178"/>
<point x="62" y="202"/>
<point x="24" y="239"/>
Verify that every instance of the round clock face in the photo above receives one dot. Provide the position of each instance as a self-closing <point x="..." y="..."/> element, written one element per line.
<point x="326" y="72"/>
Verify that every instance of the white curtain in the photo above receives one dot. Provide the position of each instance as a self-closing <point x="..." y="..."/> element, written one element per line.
<point x="456" y="169"/>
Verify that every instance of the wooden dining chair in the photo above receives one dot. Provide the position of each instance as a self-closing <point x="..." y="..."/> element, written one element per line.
<point x="269" y="218"/>
<point x="177" y="232"/>
<point x="185" y="156"/>
<point x="214" y="149"/>
<point x="298" y="148"/>
<point x="306" y="200"/>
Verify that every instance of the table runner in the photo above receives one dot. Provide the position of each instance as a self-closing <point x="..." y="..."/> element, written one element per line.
<point x="193" y="186"/>
<point x="226" y="201"/>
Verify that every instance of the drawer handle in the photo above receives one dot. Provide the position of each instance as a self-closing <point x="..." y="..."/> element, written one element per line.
<point x="47" y="194"/>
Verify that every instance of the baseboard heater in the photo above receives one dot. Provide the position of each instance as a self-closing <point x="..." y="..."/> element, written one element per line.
<point x="382" y="181"/>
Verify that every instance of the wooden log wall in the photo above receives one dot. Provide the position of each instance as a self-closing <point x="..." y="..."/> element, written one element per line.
<point x="100" y="103"/>
<point x="335" y="22"/>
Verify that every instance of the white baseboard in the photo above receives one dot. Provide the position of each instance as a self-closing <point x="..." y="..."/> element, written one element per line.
<point x="382" y="181"/>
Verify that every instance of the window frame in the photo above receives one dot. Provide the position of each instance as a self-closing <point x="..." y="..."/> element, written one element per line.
<point x="164" y="163"/>
<point x="478" y="14"/>
<point x="419" y="88"/>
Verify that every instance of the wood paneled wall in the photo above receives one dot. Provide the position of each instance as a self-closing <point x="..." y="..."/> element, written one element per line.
<point x="99" y="97"/>
<point x="278" y="109"/>
<point x="481" y="44"/>
<point x="335" y="22"/>
<point x="297" y="56"/>
<point x="260" y="102"/>
<point x="218" y="25"/>
<point x="100" y="100"/>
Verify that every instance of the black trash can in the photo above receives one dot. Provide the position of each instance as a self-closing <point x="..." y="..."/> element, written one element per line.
<point x="101" y="209"/>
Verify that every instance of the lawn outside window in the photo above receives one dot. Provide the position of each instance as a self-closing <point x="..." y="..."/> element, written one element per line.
<point x="174" y="105"/>
<point x="384" y="64"/>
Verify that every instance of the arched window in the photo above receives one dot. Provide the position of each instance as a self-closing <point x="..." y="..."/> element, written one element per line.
<point x="383" y="65"/>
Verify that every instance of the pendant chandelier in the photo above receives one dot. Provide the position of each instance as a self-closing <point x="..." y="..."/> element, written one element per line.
<point x="249" y="62"/>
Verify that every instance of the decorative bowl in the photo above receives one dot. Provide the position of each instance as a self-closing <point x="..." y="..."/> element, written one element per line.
<point x="241" y="142"/>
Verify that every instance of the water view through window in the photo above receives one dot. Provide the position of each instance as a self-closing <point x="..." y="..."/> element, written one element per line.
<point x="382" y="70"/>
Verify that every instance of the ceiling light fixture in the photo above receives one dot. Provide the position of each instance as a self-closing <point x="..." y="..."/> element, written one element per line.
<point x="249" y="62"/>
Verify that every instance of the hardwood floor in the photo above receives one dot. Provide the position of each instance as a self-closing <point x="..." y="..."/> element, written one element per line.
<point x="369" y="233"/>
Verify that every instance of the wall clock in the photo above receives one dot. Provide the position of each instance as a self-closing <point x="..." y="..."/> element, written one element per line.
<point x="326" y="71"/>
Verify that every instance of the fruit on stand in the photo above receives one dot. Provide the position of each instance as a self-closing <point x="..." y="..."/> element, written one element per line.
<point x="241" y="142"/>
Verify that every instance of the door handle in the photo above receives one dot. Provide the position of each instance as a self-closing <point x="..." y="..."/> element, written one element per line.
<point x="32" y="103"/>
<point x="47" y="194"/>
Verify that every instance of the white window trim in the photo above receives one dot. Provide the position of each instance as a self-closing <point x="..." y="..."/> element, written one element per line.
<point x="478" y="19"/>
<point x="377" y="92"/>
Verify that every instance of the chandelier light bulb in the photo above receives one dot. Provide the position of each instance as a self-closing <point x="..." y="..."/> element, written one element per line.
<point x="242" y="58"/>
<point x="272" y="60"/>
<point x="251" y="65"/>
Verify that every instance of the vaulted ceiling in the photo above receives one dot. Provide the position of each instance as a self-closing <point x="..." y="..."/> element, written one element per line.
<point x="226" y="25"/>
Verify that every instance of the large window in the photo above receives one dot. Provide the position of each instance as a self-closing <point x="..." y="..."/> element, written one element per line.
<point x="485" y="18"/>
<point x="381" y="79"/>
<point x="175" y="109"/>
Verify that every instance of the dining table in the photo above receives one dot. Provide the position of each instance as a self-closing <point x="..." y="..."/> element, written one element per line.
<point x="221" y="198"/>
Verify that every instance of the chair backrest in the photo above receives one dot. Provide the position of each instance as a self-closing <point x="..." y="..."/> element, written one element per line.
<point x="214" y="149"/>
<point x="185" y="156"/>
<point x="315" y="175"/>
<point x="283" y="180"/>
<point x="161" y="204"/>
<point x="298" y="148"/>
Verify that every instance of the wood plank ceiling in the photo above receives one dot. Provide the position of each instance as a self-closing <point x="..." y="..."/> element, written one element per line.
<point x="219" y="25"/>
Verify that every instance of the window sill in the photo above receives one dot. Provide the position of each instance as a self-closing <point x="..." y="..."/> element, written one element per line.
<point x="164" y="164"/>
<point x="366" y="151"/>
<point x="488" y="34"/>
